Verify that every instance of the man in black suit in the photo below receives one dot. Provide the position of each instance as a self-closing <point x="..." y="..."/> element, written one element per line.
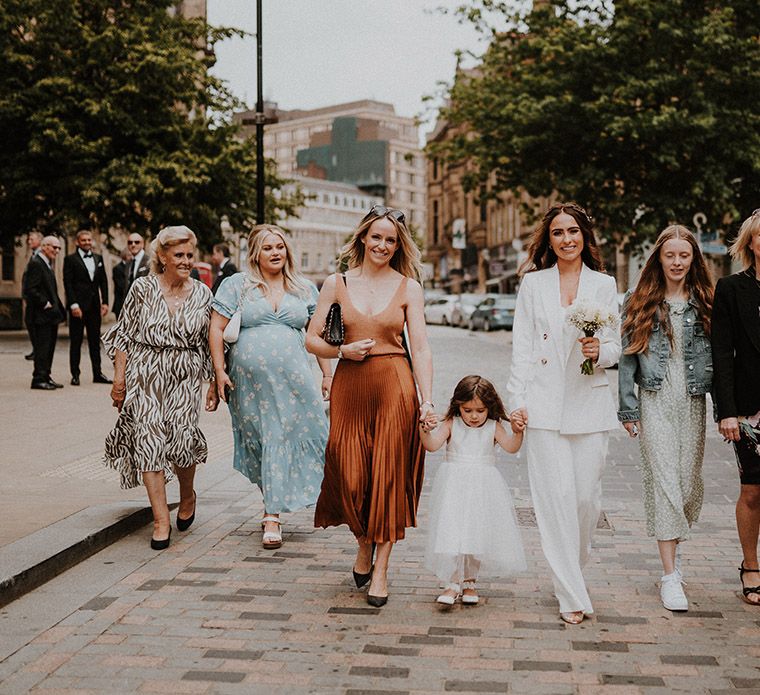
<point x="33" y="241"/>
<point x="84" y="277"/>
<point x="120" y="276"/>
<point x="140" y="265"/>
<point x="47" y="311"/>
<point x="220" y="257"/>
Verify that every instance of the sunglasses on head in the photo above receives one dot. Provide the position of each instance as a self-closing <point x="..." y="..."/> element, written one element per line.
<point x="755" y="212"/>
<point x="382" y="211"/>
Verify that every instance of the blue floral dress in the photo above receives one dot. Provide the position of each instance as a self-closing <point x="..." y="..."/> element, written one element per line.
<point x="278" y="417"/>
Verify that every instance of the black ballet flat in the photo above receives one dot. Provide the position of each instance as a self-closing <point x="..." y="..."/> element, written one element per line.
<point x="161" y="545"/>
<point x="377" y="601"/>
<point x="361" y="579"/>
<point x="184" y="524"/>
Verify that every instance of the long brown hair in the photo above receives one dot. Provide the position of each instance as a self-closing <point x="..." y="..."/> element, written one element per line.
<point x="405" y="260"/>
<point x="540" y="253"/>
<point x="472" y="387"/>
<point x="647" y="301"/>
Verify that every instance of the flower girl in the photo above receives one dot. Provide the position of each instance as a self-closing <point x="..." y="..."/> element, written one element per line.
<point x="472" y="521"/>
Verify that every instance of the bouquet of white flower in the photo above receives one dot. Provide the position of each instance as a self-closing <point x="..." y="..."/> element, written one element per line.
<point x="589" y="319"/>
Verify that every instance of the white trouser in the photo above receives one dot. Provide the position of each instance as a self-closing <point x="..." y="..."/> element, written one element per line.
<point x="565" y="473"/>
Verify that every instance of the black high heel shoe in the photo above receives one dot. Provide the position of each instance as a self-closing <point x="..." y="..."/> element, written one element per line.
<point x="361" y="579"/>
<point x="161" y="545"/>
<point x="184" y="524"/>
<point x="376" y="601"/>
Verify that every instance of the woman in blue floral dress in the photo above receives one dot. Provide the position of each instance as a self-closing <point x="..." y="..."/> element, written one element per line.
<point x="278" y="416"/>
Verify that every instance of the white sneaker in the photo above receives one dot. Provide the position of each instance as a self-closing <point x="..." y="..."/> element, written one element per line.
<point x="671" y="593"/>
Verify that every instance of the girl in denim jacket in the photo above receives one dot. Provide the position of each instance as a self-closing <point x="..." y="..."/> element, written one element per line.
<point x="666" y="352"/>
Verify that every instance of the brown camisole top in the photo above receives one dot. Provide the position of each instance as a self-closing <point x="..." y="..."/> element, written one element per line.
<point x="386" y="327"/>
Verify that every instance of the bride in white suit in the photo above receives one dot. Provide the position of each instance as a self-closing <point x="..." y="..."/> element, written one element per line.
<point x="568" y="414"/>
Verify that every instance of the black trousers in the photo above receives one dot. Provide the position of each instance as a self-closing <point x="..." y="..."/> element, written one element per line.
<point x="91" y="321"/>
<point x="45" y="336"/>
<point x="31" y="327"/>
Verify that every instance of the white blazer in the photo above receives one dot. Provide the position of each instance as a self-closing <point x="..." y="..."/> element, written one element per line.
<point x="546" y="374"/>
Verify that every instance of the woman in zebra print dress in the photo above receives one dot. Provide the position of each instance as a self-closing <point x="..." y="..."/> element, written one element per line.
<point x="160" y="350"/>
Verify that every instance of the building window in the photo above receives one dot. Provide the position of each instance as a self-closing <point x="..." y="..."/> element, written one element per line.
<point x="319" y="261"/>
<point x="304" y="260"/>
<point x="436" y="223"/>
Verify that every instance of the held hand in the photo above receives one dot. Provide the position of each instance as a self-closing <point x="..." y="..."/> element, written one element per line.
<point x="326" y="386"/>
<point x="729" y="429"/>
<point x="590" y="348"/>
<point x="223" y="382"/>
<point x="76" y="313"/>
<point x="103" y="309"/>
<point x="632" y="427"/>
<point x="518" y="419"/>
<point x="359" y="350"/>
<point x="212" y="398"/>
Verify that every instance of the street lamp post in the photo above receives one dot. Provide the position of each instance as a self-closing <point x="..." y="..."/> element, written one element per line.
<point x="260" y="118"/>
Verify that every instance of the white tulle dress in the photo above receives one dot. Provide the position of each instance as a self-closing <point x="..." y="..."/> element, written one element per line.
<point x="473" y="526"/>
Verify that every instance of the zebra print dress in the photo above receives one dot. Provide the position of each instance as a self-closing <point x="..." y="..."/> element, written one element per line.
<point x="167" y="359"/>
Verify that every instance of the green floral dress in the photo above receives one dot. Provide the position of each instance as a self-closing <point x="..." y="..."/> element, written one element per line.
<point x="672" y="446"/>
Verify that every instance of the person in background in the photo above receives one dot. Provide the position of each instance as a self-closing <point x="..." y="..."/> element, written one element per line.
<point x="47" y="311"/>
<point x="736" y="379"/>
<point x="86" y="285"/>
<point x="140" y="265"/>
<point x="225" y="268"/>
<point x="666" y="352"/>
<point x="33" y="242"/>
<point x="120" y="277"/>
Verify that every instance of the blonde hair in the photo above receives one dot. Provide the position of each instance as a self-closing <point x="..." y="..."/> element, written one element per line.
<point x="740" y="250"/>
<point x="294" y="282"/>
<point x="165" y="239"/>
<point x="406" y="258"/>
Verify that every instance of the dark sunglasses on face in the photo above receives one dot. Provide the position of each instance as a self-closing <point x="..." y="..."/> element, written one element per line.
<point x="129" y="243"/>
<point x="382" y="211"/>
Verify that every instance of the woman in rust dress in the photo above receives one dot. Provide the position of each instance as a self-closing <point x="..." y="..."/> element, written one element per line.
<point x="374" y="459"/>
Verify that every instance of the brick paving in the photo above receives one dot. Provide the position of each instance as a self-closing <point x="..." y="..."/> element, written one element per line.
<point x="215" y="613"/>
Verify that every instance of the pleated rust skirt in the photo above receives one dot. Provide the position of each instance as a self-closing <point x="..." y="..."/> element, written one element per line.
<point x="374" y="461"/>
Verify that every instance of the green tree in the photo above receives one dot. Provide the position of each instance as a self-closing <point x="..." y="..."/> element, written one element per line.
<point x="110" y="118"/>
<point x="646" y="112"/>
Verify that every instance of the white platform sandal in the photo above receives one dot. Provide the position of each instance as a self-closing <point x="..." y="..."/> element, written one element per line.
<point x="469" y="599"/>
<point x="448" y="600"/>
<point x="271" y="540"/>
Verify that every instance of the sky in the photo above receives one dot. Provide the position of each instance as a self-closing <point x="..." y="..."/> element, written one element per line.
<point x="323" y="52"/>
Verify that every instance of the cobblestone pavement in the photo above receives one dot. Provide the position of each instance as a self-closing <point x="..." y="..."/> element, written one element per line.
<point x="215" y="613"/>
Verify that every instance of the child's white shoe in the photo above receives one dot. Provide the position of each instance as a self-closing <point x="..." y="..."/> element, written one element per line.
<point x="450" y="595"/>
<point x="469" y="599"/>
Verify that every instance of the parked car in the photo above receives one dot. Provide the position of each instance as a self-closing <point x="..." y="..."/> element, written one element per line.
<point x="494" y="312"/>
<point x="439" y="309"/>
<point x="465" y="305"/>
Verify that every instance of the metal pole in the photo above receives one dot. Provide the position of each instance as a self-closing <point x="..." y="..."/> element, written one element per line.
<point x="259" y="122"/>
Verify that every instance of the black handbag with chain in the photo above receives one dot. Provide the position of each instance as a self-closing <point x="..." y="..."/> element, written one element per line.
<point x="333" y="332"/>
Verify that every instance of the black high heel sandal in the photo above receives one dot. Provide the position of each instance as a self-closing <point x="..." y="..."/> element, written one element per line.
<point x="747" y="590"/>
<point x="361" y="579"/>
<point x="162" y="544"/>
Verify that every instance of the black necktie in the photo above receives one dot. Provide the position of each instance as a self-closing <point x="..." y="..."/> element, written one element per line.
<point x="88" y="254"/>
<point x="132" y="268"/>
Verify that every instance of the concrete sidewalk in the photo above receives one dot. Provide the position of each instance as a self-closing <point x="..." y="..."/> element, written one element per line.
<point x="216" y="613"/>
<point x="60" y="503"/>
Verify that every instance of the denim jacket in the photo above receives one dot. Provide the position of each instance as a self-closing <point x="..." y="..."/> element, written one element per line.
<point x="647" y="369"/>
